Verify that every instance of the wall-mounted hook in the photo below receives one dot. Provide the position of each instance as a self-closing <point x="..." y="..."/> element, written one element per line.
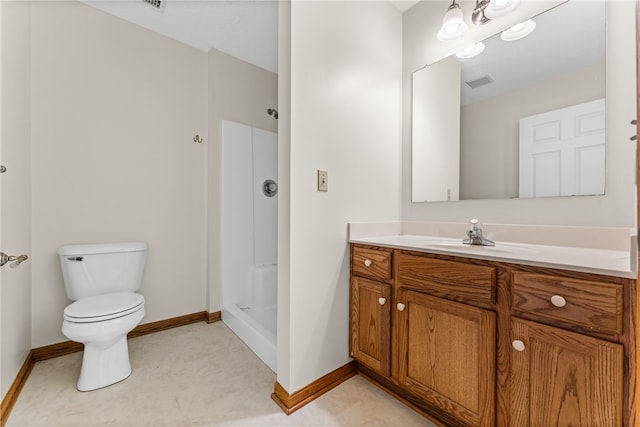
<point x="14" y="260"/>
<point x="197" y="139"/>
<point x="19" y="260"/>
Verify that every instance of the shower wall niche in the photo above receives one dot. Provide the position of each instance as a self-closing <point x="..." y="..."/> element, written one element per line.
<point x="249" y="236"/>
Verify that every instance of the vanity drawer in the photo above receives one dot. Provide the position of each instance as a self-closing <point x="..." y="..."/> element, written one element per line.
<point x="591" y="305"/>
<point x="447" y="279"/>
<point x="372" y="263"/>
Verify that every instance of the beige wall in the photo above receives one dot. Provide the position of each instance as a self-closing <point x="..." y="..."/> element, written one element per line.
<point x="489" y="130"/>
<point x="616" y="208"/>
<point x="239" y="92"/>
<point x="114" y="111"/>
<point x="15" y="136"/>
<point x="345" y="110"/>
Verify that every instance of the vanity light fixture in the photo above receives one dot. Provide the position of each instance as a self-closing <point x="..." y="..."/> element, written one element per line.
<point x="470" y="51"/>
<point x="497" y="8"/>
<point x="518" y="31"/>
<point x="453" y="25"/>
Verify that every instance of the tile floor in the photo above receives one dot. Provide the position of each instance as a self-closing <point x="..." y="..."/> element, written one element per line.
<point x="195" y="375"/>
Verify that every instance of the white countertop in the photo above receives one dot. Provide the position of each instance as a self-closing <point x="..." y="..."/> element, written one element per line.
<point x="613" y="258"/>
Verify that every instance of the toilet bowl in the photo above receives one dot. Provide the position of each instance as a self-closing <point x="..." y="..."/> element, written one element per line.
<point x="102" y="323"/>
<point x="102" y="279"/>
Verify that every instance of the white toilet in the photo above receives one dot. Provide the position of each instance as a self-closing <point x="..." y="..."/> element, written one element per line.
<point x="102" y="280"/>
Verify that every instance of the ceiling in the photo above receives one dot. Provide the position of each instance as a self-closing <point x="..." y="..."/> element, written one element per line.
<point x="247" y="30"/>
<point x="560" y="44"/>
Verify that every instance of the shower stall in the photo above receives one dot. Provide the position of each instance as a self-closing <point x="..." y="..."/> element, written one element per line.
<point x="249" y="236"/>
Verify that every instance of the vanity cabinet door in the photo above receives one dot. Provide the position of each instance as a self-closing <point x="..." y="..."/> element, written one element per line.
<point x="371" y="324"/>
<point x="562" y="378"/>
<point x="447" y="356"/>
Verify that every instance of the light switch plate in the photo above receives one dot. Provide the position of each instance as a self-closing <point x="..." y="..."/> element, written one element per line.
<point x="323" y="180"/>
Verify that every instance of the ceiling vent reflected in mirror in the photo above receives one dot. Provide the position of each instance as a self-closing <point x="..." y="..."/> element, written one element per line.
<point x="482" y="81"/>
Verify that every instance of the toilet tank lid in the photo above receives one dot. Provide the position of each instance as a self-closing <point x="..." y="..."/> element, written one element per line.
<point x="102" y="248"/>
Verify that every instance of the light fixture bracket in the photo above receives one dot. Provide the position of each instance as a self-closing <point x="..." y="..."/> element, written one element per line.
<point x="478" y="17"/>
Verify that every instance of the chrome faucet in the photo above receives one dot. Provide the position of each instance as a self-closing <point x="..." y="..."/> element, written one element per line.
<point x="475" y="235"/>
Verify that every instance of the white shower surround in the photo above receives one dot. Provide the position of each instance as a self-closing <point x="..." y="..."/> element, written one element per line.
<point x="249" y="237"/>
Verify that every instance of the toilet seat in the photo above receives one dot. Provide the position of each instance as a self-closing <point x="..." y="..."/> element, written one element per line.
<point x="103" y="307"/>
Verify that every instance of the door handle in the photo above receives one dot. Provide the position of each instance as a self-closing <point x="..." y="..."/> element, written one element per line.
<point x="14" y="260"/>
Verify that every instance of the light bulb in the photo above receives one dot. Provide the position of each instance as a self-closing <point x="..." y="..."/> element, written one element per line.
<point x="452" y="29"/>
<point x="471" y="51"/>
<point x="497" y="8"/>
<point x="518" y="31"/>
<point x="453" y="24"/>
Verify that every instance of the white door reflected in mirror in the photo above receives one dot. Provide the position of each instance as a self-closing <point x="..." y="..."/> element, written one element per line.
<point x="562" y="152"/>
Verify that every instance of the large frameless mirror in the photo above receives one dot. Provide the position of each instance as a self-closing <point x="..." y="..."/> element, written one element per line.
<point x="524" y="118"/>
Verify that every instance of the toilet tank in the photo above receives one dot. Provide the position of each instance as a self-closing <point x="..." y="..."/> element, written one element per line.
<point x="95" y="269"/>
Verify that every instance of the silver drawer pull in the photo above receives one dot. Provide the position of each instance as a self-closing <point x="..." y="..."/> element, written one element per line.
<point x="518" y="345"/>
<point x="558" y="301"/>
<point x="400" y="306"/>
<point x="381" y="301"/>
<point x="367" y="263"/>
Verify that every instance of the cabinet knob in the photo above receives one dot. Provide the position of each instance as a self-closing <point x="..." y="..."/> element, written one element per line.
<point x="518" y="345"/>
<point x="400" y="306"/>
<point x="558" y="301"/>
<point x="367" y="263"/>
<point x="381" y="301"/>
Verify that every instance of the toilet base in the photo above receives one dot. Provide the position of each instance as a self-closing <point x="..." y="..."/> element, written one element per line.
<point x="106" y="352"/>
<point x="102" y="366"/>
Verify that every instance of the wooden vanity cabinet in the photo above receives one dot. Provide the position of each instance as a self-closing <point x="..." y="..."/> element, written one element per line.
<point x="482" y="343"/>
<point x="446" y="343"/>
<point x="557" y="376"/>
<point x="444" y="354"/>
<point x="371" y="324"/>
<point x="447" y="356"/>
<point x="562" y="378"/>
<point x="370" y="330"/>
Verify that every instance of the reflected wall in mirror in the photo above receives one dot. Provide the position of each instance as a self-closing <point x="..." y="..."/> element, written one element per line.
<point x="535" y="128"/>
